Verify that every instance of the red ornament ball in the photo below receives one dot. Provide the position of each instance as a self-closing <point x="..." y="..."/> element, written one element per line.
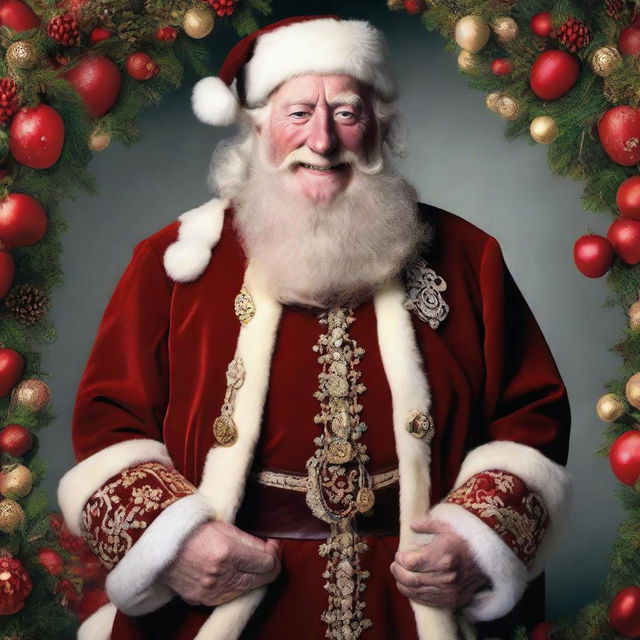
<point x="98" y="34"/>
<point x="166" y="34"/>
<point x="628" y="198"/>
<point x="593" y="255"/>
<point x="15" y="586"/>
<point x="624" y="458"/>
<point x="414" y="7"/>
<point x="23" y="220"/>
<point x="7" y="272"/>
<point x="542" y="631"/>
<point x="36" y="136"/>
<point x="17" y="15"/>
<point x="553" y="74"/>
<point x="97" y="80"/>
<point x="15" y="440"/>
<point x="624" y="612"/>
<point x="141" y="66"/>
<point x="11" y="367"/>
<point x="629" y="41"/>
<point x="501" y="67"/>
<point x="541" y="24"/>
<point x="624" y="235"/>
<point x="51" y="561"/>
<point x="619" y="132"/>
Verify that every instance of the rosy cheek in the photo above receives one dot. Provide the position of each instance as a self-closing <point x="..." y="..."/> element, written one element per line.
<point x="354" y="138"/>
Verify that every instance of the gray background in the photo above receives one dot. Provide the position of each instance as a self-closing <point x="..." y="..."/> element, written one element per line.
<point x="460" y="161"/>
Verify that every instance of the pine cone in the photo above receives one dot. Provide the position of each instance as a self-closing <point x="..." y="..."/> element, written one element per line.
<point x="64" y="30"/>
<point x="9" y="101"/>
<point x="27" y="303"/>
<point x="573" y="34"/>
<point x="223" y="7"/>
<point x="614" y="8"/>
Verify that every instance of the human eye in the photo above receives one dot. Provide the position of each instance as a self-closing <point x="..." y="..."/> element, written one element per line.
<point x="345" y="115"/>
<point x="299" y="114"/>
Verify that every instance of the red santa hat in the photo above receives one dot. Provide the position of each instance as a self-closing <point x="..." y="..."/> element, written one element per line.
<point x="292" y="47"/>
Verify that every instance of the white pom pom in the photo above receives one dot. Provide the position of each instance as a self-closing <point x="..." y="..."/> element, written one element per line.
<point x="213" y="102"/>
<point x="185" y="260"/>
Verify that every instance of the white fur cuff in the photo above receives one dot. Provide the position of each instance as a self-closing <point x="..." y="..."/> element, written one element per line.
<point x="507" y="573"/>
<point x="98" y="626"/>
<point x="81" y="482"/>
<point x="132" y="586"/>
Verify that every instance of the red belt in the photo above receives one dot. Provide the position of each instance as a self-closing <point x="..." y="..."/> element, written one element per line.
<point x="281" y="511"/>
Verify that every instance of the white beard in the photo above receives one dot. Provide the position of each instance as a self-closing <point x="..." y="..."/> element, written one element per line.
<point x="326" y="255"/>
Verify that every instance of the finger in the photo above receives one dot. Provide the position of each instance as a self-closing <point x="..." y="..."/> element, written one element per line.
<point x="251" y="560"/>
<point x="247" y="539"/>
<point x="425" y="559"/>
<point x="430" y="526"/>
<point x="274" y="544"/>
<point x="409" y="579"/>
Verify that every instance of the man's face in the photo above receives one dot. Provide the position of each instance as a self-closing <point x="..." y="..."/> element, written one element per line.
<point x="317" y="126"/>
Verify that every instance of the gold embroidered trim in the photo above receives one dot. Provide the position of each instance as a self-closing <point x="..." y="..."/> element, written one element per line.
<point x="282" y="480"/>
<point x="338" y="485"/>
<point x="243" y="306"/>
<point x="224" y="428"/>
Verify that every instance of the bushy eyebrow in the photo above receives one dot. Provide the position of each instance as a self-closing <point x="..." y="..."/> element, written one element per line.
<point x="346" y="98"/>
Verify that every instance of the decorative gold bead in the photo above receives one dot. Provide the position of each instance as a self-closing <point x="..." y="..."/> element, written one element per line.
<point x="99" y="141"/>
<point x="610" y="407"/>
<point x="544" y="129"/>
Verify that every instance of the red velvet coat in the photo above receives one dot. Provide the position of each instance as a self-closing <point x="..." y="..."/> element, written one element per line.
<point x="157" y="371"/>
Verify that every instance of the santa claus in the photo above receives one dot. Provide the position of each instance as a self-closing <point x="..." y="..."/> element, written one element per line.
<point x="287" y="378"/>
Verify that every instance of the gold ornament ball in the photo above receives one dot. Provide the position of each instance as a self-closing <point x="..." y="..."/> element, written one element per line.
<point x="492" y="101"/>
<point x="16" y="483"/>
<point x="31" y="393"/>
<point x="198" y="23"/>
<point x="468" y="62"/>
<point x="22" y="55"/>
<point x="11" y="515"/>
<point x="634" y="315"/>
<point x="605" y="60"/>
<point x="505" y="28"/>
<point x="544" y="129"/>
<point x="472" y="33"/>
<point x="508" y="108"/>
<point x="610" y="407"/>
<point x="99" y="141"/>
<point x="632" y="390"/>
<point x="395" y="5"/>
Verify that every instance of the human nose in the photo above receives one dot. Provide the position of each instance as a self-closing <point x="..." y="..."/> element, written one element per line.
<point x="322" y="137"/>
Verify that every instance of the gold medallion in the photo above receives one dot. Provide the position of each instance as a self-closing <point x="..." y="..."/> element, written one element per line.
<point x="365" y="500"/>
<point x="244" y="306"/>
<point x="340" y="452"/>
<point x="225" y="431"/>
<point x="419" y="424"/>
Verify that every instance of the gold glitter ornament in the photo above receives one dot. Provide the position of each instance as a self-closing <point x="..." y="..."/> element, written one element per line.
<point x="468" y="62"/>
<point x="508" y="108"/>
<point x="492" y="101"/>
<point x="16" y="482"/>
<point x="634" y="315"/>
<point x="11" y="515"/>
<point x="505" y="28"/>
<point x="99" y="141"/>
<point x="632" y="390"/>
<point x="31" y="393"/>
<point x="198" y="23"/>
<point x="605" y="60"/>
<point x="22" y="55"/>
<point x="395" y="5"/>
<point x="544" y="129"/>
<point x="472" y="33"/>
<point x="610" y="407"/>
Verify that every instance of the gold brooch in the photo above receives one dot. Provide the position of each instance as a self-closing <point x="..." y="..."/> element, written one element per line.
<point x="224" y="428"/>
<point x="244" y="306"/>
<point x="420" y="425"/>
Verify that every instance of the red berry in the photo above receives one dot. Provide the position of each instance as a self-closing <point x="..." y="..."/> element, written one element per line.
<point x="140" y="66"/>
<point x="541" y="24"/>
<point x="9" y="100"/>
<point x="223" y="7"/>
<point x="166" y="34"/>
<point x="51" y="561"/>
<point x="414" y="7"/>
<point x="64" y="30"/>
<point x="98" y="34"/>
<point x="501" y="67"/>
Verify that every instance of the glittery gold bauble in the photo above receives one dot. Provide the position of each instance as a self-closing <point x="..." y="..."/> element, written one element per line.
<point x="634" y="315"/>
<point x="16" y="482"/>
<point x="469" y="62"/>
<point x="544" y="129"/>
<point x="472" y="33"/>
<point x="505" y="28"/>
<point x="31" y="393"/>
<point x="610" y="407"/>
<point x="395" y="5"/>
<point x="99" y="141"/>
<point x="198" y="23"/>
<point x="11" y="515"/>
<point x="508" y="108"/>
<point x="22" y="55"/>
<point x="605" y="60"/>
<point x="492" y="101"/>
<point x="632" y="390"/>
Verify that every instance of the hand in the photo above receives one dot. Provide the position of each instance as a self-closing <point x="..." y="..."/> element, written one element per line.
<point x="441" y="573"/>
<point x="219" y="562"/>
